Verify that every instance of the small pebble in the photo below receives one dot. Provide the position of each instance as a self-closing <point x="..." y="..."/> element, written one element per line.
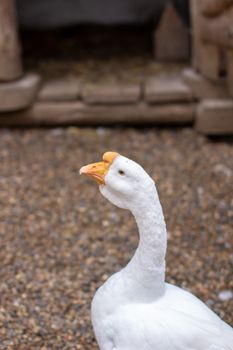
<point x="101" y="131"/>
<point x="225" y="295"/>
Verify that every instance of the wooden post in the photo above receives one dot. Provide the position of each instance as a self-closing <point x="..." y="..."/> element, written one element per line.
<point x="10" y="53"/>
<point x="196" y="34"/>
<point x="230" y="71"/>
<point x="210" y="61"/>
<point x="213" y="8"/>
<point x="171" y="37"/>
<point x="218" y="30"/>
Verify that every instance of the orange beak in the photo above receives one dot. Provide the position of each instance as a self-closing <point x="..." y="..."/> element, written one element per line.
<point x="97" y="171"/>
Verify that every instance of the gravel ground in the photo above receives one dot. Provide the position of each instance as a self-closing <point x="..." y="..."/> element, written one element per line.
<point x="60" y="239"/>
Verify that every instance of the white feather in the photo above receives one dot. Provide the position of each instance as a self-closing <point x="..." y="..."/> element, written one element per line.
<point x="135" y="309"/>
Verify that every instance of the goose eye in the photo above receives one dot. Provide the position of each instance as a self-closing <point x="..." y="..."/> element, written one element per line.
<point x="121" y="172"/>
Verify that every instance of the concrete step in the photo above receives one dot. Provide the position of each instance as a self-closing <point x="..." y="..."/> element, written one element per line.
<point x="19" y="94"/>
<point x="167" y="89"/>
<point x="202" y="87"/>
<point x="63" y="89"/>
<point x="111" y="93"/>
<point x="79" y="113"/>
<point x="215" y="117"/>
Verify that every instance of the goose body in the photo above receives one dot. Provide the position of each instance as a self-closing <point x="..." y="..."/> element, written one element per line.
<point x="177" y="320"/>
<point x="135" y="308"/>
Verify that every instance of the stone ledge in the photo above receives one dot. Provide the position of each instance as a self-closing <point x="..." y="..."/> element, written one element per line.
<point x="66" y="89"/>
<point x="230" y="70"/>
<point x="66" y="113"/>
<point x="215" y="117"/>
<point x="19" y="94"/>
<point x="167" y="89"/>
<point x="111" y="93"/>
<point x="203" y="87"/>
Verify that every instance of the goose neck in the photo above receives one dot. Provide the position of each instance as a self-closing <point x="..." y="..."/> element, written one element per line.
<point x="148" y="263"/>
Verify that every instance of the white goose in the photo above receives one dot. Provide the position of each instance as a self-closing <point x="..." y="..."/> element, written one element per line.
<point x="135" y="309"/>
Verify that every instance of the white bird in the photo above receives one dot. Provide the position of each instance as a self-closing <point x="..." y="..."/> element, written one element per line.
<point x="135" y="309"/>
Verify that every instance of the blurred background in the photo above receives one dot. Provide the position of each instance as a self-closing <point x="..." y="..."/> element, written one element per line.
<point x="152" y="80"/>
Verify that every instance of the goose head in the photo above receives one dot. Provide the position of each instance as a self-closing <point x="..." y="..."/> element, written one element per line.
<point x="121" y="180"/>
